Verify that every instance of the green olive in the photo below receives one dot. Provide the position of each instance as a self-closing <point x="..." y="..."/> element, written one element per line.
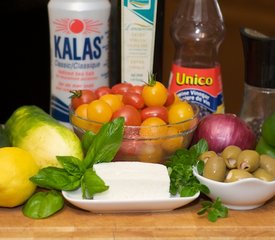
<point x="268" y="163"/>
<point x="237" y="174"/>
<point x="206" y="155"/>
<point x="230" y="154"/>
<point x="248" y="160"/>
<point x="215" y="169"/>
<point x="263" y="175"/>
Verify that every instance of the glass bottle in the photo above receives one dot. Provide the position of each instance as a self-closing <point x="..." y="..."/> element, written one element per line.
<point x="197" y="31"/>
<point x="259" y="85"/>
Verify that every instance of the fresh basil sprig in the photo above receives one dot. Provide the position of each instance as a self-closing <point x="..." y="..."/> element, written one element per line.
<point x="76" y="173"/>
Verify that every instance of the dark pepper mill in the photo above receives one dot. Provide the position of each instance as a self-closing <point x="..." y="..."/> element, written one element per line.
<point x="259" y="87"/>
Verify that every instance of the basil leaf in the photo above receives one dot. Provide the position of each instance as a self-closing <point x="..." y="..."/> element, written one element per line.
<point x="43" y="204"/>
<point x="55" y="178"/>
<point x="91" y="184"/>
<point x="199" y="148"/>
<point x="86" y="140"/>
<point x="106" y="143"/>
<point x="72" y="165"/>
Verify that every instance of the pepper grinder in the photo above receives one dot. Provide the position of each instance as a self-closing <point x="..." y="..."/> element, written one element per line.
<point x="259" y="86"/>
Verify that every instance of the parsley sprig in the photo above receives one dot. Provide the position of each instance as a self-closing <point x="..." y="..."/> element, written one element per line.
<point x="184" y="183"/>
<point x="180" y="169"/>
<point x="214" y="209"/>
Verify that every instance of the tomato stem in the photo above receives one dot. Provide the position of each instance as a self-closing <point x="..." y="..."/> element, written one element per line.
<point x="76" y="93"/>
<point x="152" y="79"/>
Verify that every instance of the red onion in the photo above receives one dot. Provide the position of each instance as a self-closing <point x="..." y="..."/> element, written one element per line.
<point x="222" y="130"/>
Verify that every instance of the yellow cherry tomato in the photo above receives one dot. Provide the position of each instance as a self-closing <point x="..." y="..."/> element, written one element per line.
<point x="180" y="112"/>
<point x="99" y="111"/>
<point x="80" y="119"/>
<point x="154" y="93"/>
<point x="114" y="100"/>
<point x="173" y="141"/>
<point x="150" y="153"/>
<point x="153" y="127"/>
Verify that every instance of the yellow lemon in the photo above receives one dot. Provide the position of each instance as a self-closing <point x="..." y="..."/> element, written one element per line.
<point x="16" y="167"/>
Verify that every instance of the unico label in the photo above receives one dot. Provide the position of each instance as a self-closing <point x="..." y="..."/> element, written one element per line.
<point x="200" y="86"/>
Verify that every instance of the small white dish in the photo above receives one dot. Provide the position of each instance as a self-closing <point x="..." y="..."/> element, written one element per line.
<point x="244" y="194"/>
<point x="106" y="206"/>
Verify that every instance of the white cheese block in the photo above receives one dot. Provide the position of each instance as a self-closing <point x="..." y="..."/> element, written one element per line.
<point x="133" y="181"/>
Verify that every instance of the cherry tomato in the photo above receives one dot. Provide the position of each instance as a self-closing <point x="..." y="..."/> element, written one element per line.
<point x="154" y="94"/>
<point x="99" y="111"/>
<point x="133" y="99"/>
<point x="136" y="89"/>
<point x="155" y="111"/>
<point x="150" y="153"/>
<point x="153" y="127"/>
<point x="114" y="100"/>
<point x="79" y="97"/>
<point x="179" y="112"/>
<point x="173" y="141"/>
<point x="102" y="91"/>
<point x="121" y="88"/>
<point x="80" y="116"/>
<point x="80" y="119"/>
<point x="128" y="150"/>
<point x="130" y="114"/>
<point x="170" y="99"/>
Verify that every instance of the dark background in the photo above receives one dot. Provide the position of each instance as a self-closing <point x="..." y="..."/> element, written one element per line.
<point x="25" y="50"/>
<point x="25" y="54"/>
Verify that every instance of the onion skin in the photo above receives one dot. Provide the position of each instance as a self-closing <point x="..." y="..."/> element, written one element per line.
<point x="222" y="130"/>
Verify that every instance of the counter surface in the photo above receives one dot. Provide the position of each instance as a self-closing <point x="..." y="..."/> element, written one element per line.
<point x="182" y="223"/>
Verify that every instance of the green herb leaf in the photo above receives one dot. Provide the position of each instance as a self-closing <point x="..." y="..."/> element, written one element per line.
<point x="43" y="204"/>
<point x="91" y="184"/>
<point x="106" y="143"/>
<point x="72" y="165"/>
<point x="55" y="178"/>
<point x="214" y="209"/>
<point x="199" y="148"/>
<point x="180" y="169"/>
<point x="87" y="140"/>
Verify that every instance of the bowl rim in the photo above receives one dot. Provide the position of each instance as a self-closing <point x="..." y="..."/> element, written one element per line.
<point x="195" y="107"/>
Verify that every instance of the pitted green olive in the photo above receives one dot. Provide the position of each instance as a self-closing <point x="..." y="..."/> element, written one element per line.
<point x="248" y="160"/>
<point x="215" y="169"/>
<point x="263" y="175"/>
<point x="237" y="174"/>
<point x="268" y="163"/>
<point x="206" y="155"/>
<point x="230" y="154"/>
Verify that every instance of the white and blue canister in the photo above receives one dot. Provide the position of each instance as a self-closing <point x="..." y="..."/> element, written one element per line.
<point x="79" y="39"/>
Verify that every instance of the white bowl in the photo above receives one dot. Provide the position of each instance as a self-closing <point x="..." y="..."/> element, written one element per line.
<point x="244" y="194"/>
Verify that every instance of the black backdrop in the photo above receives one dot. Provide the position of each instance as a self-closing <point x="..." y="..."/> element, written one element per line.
<point x="25" y="53"/>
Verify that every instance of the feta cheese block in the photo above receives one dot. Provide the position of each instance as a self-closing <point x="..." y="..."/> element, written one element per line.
<point x="133" y="181"/>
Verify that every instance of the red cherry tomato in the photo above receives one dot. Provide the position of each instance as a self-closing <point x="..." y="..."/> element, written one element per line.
<point x="131" y="115"/>
<point x="128" y="150"/>
<point x="133" y="99"/>
<point x="121" y="88"/>
<point x="80" y="97"/>
<point x="170" y="99"/>
<point x="136" y="89"/>
<point x="155" y="111"/>
<point x="102" y="91"/>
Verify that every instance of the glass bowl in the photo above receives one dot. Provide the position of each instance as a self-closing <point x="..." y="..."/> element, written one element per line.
<point x="160" y="145"/>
